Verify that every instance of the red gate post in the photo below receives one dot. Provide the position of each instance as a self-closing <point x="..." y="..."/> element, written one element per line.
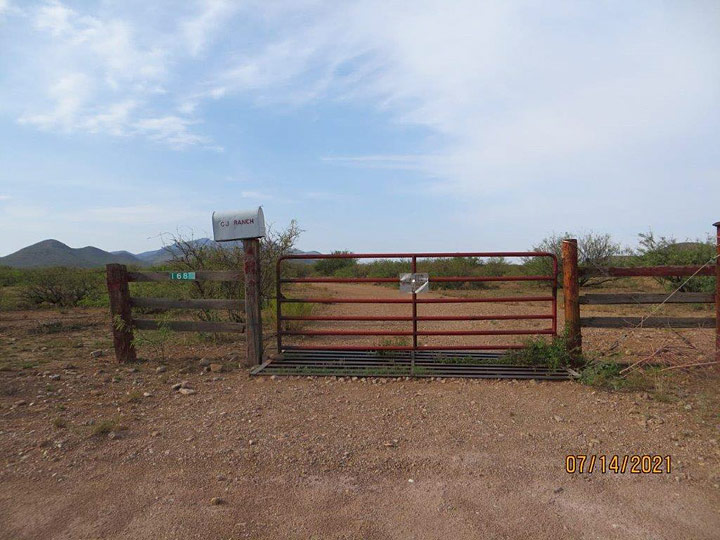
<point x="571" y="294"/>
<point x="717" y="294"/>
<point x="253" y="320"/>
<point x="120" y="312"/>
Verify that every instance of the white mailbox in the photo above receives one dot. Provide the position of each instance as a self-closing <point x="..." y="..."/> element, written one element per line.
<point x="238" y="225"/>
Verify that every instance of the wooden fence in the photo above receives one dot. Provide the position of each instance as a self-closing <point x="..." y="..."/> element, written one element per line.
<point x="121" y="304"/>
<point x="573" y="299"/>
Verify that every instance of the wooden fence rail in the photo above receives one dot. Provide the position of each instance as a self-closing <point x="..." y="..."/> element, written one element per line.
<point x="647" y="322"/>
<point x="201" y="275"/>
<point x="199" y="303"/>
<point x="647" y="271"/>
<point x="121" y="304"/>
<point x="574" y="322"/>
<point x="647" y="298"/>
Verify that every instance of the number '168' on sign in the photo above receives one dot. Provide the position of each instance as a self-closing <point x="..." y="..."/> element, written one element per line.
<point x="182" y="275"/>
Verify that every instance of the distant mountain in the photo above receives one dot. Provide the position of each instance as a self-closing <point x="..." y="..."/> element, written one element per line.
<point x="55" y="253"/>
<point x="164" y="254"/>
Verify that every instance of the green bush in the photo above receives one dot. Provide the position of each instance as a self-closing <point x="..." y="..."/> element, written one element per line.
<point x="594" y="250"/>
<point x="385" y="268"/>
<point x="665" y="251"/>
<point x="604" y="374"/>
<point x="608" y="375"/>
<point x="190" y="255"/>
<point x="328" y="267"/>
<point x="539" y="352"/>
<point x="10" y="277"/>
<point x="63" y="287"/>
<point x="290" y="309"/>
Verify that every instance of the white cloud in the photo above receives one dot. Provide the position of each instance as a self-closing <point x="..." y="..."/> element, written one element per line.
<point x="5" y="197"/>
<point x="514" y="95"/>
<point x="141" y="214"/>
<point x="102" y="74"/>
<point x="385" y="161"/>
<point x="70" y="94"/>
<point x="6" y="7"/>
<point x="255" y="195"/>
<point x="199" y="29"/>
<point x="568" y="104"/>
<point x="172" y="130"/>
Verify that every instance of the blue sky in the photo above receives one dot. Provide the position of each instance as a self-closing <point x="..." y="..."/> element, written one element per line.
<point x="378" y="125"/>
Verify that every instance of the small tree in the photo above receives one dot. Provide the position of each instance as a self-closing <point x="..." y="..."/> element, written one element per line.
<point x="157" y="340"/>
<point x="594" y="250"/>
<point x="62" y="287"/>
<point x="329" y="267"/>
<point x="666" y="251"/>
<point x="190" y="254"/>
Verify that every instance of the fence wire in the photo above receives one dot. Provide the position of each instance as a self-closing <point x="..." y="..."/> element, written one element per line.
<point x="630" y="331"/>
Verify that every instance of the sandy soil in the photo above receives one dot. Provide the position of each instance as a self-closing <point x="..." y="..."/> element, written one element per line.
<point x="87" y="454"/>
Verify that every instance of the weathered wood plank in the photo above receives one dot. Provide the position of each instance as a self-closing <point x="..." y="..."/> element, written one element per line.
<point x="120" y="312"/>
<point x="647" y="298"/>
<point x="194" y="303"/>
<point x="651" y="322"/>
<point x="571" y="288"/>
<point x="190" y="326"/>
<point x="200" y="275"/>
<point x="647" y="271"/>
<point x="254" y="341"/>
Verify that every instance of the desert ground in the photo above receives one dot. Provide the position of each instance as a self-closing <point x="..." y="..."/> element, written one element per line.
<point x="93" y="449"/>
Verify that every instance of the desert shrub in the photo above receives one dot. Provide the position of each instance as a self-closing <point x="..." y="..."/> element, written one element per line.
<point x="395" y="341"/>
<point x="385" y="268"/>
<point x="329" y="267"/>
<point x="10" y="277"/>
<point x="290" y="309"/>
<point x="355" y="270"/>
<point x="594" y="249"/>
<point x="602" y="374"/>
<point x="63" y="287"/>
<point x="105" y="427"/>
<point x="496" y="266"/>
<point x="454" y="267"/>
<point x="191" y="255"/>
<point x="609" y="375"/>
<point x="157" y="340"/>
<point x="440" y="267"/>
<point x="666" y="251"/>
<point x="539" y="352"/>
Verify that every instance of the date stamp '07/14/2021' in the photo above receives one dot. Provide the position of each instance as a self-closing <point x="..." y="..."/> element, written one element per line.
<point x="617" y="464"/>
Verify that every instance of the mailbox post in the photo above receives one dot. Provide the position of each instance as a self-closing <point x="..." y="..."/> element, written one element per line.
<point x="248" y="226"/>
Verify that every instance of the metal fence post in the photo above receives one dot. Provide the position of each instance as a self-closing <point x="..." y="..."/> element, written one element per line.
<point x="571" y="295"/>
<point x="253" y="319"/>
<point x="120" y="312"/>
<point x="717" y="293"/>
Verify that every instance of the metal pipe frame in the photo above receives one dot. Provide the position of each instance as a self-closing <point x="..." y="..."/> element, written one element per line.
<point x="418" y="300"/>
<point x="411" y="259"/>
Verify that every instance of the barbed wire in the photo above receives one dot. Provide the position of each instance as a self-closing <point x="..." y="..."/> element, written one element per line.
<point x="656" y="307"/>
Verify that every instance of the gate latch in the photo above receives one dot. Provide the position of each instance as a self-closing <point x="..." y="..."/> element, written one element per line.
<point x="414" y="283"/>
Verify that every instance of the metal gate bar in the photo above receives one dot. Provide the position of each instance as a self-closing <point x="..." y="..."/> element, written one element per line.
<point x="414" y="349"/>
<point x="421" y="318"/>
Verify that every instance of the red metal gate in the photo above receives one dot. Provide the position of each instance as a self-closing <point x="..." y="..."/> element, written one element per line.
<point x="413" y="301"/>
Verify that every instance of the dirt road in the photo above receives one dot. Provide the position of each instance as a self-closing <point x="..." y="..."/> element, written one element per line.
<point x="87" y="454"/>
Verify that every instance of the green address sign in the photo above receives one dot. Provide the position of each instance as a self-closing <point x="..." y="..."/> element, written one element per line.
<point x="182" y="275"/>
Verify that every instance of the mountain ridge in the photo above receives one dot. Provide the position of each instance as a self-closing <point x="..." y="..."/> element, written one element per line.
<point x="52" y="252"/>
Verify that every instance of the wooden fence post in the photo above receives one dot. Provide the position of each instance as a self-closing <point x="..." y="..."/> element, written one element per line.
<point x="120" y="312"/>
<point x="253" y="319"/>
<point x="571" y="295"/>
<point x="717" y="294"/>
